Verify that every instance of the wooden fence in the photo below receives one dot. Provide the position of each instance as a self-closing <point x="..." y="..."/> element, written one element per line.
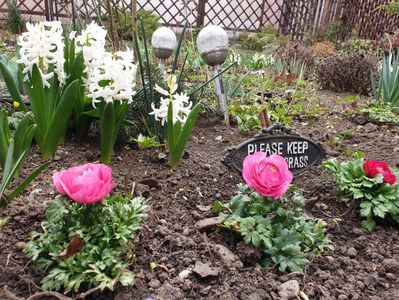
<point x="295" y="17"/>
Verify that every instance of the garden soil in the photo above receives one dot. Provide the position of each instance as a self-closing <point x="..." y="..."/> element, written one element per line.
<point x="364" y="265"/>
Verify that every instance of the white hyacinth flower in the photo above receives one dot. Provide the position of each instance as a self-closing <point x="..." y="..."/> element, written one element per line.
<point x="42" y="44"/>
<point x="114" y="79"/>
<point x="92" y="42"/>
<point x="181" y="109"/>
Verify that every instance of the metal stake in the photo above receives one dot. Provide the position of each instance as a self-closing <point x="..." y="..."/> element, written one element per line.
<point x="220" y="93"/>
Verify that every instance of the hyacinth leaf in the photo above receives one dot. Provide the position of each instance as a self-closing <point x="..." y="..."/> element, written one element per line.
<point x="121" y="111"/>
<point x="10" y="168"/>
<point x="4" y="137"/>
<point x="59" y="121"/>
<point x="107" y="124"/>
<point x="179" y="45"/>
<point x="84" y="121"/>
<point x="21" y="187"/>
<point x="35" y="91"/>
<point x="23" y="135"/>
<point x="180" y="135"/>
<point x="171" y="130"/>
<point x="12" y="86"/>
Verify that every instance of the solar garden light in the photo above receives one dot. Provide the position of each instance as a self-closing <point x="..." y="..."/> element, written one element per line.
<point x="213" y="45"/>
<point x="163" y="43"/>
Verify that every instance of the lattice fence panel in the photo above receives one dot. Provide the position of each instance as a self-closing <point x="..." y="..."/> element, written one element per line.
<point x="33" y="10"/>
<point x="371" y="21"/>
<point x="238" y="14"/>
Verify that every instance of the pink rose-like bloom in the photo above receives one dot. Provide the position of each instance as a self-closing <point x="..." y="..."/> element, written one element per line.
<point x="374" y="167"/>
<point x="269" y="176"/>
<point x="86" y="184"/>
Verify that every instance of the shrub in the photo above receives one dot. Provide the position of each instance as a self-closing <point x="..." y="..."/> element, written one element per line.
<point x="265" y="38"/>
<point x="123" y="22"/>
<point x="15" y="22"/>
<point x="358" y="45"/>
<point x="348" y="72"/>
<point x="369" y="184"/>
<point x="323" y="49"/>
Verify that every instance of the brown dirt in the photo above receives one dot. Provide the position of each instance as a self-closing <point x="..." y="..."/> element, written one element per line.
<point x="364" y="265"/>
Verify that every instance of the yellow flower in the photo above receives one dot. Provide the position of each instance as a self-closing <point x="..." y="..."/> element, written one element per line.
<point x="15" y="104"/>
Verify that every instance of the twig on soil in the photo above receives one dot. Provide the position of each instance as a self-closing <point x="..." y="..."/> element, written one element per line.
<point x="338" y="216"/>
<point x="8" y="260"/>
<point x="133" y="187"/>
<point x="88" y="292"/>
<point x="9" y="294"/>
<point x="49" y="294"/>
<point x="207" y="244"/>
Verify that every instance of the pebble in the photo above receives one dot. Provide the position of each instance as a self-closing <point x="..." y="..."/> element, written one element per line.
<point x="342" y="297"/>
<point x="20" y="246"/>
<point x="209" y="223"/>
<point x="289" y="290"/>
<point x="352" y="252"/>
<point x="228" y="257"/>
<point x="154" y="283"/>
<point x="391" y="265"/>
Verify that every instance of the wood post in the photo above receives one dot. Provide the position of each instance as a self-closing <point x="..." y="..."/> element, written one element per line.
<point x="201" y="13"/>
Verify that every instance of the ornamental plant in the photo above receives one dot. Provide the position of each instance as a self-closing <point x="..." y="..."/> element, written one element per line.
<point x="88" y="237"/>
<point x="371" y="185"/>
<point x="108" y="82"/>
<point x="177" y="113"/>
<point x="14" y="147"/>
<point x="51" y="91"/>
<point x="268" y="214"/>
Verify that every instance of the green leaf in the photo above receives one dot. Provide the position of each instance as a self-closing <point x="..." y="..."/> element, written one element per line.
<point x="59" y="121"/>
<point x="219" y="206"/>
<point x="368" y="224"/>
<point x="12" y="86"/>
<point x="107" y="124"/>
<point x="126" y="279"/>
<point x="176" y="153"/>
<point x="20" y="188"/>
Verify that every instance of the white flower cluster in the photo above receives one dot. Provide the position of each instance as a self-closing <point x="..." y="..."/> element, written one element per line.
<point x="42" y="44"/>
<point x="92" y="42"/>
<point x="180" y="102"/>
<point x="113" y="80"/>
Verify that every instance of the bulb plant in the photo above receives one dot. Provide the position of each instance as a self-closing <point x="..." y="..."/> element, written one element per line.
<point x="14" y="147"/>
<point x="177" y="113"/>
<point x="88" y="236"/>
<point x="51" y="94"/>
<point x="268" y="214"/>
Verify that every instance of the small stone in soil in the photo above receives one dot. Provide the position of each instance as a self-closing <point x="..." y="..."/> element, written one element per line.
<point x="208" y="224"/>
<point x="20" y="246"/>
<point x="154" y="283"/>
<point x="204" y="270"/>
<point x="352" y="252"/>
<point x="289" y="290"/>
<point x="228" y="257"/>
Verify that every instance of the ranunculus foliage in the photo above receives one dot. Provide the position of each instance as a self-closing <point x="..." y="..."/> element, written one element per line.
<point x="86" y="184"/>
<point x="375" y="167"/>
<point x="269" y="176"/>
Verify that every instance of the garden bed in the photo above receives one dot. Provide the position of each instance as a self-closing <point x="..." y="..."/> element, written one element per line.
<point x="364" y="265"/>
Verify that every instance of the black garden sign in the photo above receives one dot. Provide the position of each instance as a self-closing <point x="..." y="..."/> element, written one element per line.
<point x="300" y="153"/>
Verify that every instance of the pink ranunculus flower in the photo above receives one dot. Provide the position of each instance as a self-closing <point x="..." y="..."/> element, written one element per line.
<point x="269" y="176"/>
<point x="86" y="184"/>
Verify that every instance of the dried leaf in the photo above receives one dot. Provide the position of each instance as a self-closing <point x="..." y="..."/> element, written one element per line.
<point x="75" y="246"/>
